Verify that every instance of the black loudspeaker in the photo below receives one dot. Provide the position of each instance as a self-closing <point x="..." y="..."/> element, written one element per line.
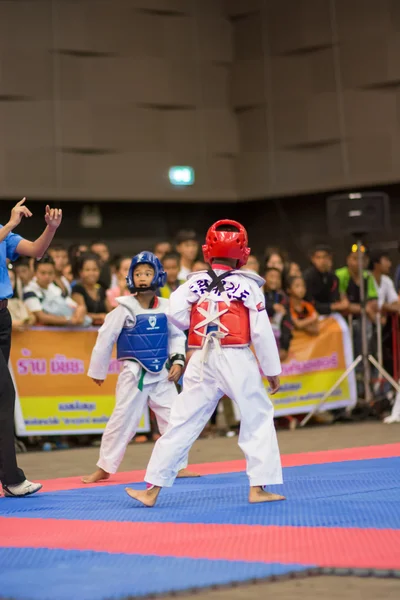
<point x="357" y="214"/>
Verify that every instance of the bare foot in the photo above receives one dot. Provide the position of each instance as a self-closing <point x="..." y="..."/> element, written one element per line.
<point x="187" y="473"/>
<point x="147" y="497"/>
<point x="257" y="494"/>
<point x="98" y="475"/>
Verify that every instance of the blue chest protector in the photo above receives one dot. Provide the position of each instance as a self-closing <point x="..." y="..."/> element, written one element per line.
<point x="146" y="342"/>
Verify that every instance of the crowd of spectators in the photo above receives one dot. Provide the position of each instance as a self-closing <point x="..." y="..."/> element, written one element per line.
<point x="78" y="286"/>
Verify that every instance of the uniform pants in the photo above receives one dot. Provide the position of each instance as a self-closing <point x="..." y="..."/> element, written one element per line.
<point x="129" y="408"/>
<point x="235" y="373"/>
<point x="9" y="472"/>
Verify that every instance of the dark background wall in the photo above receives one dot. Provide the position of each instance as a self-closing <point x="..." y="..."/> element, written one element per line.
<point x="292" y="223"/>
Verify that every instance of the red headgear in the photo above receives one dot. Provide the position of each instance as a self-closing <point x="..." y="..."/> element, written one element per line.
<point x="226" y="244"/>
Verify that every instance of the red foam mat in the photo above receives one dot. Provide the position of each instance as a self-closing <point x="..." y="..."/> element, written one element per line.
<point x="325" y="547"/>
<point x="234" y="466"/>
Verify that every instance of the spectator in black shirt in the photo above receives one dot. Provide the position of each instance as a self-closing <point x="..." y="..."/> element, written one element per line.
<point x="322" y="284"/>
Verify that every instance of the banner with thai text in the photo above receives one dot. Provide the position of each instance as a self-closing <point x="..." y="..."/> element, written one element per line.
<point x="313" y="366"/>
<point x="54" y="395"/>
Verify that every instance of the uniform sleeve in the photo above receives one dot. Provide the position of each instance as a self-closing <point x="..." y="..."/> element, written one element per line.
<point x="12" y="241"/>
<point x="262" y="336"/>
<point x="391" y="295"/>
<point x="177" y="343"/>
<point x="78" y="289"/>
<point x="106" y="338"/>
<point x="32" y="301"/>
<point x="372" y="292"/>
<point x="311" y="310"/>
<point x="343" y="279"/>
<point x="180" y="303"/>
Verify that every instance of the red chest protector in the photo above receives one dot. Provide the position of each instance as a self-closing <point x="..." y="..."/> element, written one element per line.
<point x="234" y="323"/>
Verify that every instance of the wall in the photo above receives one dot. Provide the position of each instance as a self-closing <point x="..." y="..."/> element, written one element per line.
<point x="99" y="98"/>
<point x="263" y="97"/>
<point x="315" y="89"/>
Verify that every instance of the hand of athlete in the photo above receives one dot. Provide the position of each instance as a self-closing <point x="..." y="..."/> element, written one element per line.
<point x="98" y="382"/>
<point x="18" y="212"/>
<point x="274" y="383"/>
<point x="175" y="373"/>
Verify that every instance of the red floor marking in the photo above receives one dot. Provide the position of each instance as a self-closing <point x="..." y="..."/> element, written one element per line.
<point x="325" y="547"/>
<point x="235" y="466"/>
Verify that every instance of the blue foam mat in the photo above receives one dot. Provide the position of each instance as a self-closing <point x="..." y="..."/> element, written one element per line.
<point x="41" y="574"/>
<point x="362" y="494"/>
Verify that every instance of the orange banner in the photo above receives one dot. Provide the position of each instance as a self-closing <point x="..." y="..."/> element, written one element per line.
<point x="313" y="366"/>
<point x="54" y="394"/>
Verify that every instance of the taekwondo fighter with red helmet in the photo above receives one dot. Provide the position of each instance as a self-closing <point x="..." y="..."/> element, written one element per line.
<point x="223" y="309"/>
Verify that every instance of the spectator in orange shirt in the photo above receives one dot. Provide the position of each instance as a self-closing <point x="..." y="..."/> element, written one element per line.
<point x="304" y="315"/>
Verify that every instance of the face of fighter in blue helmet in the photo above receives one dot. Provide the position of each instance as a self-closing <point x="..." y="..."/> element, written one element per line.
<point x="143" y="276"/>
<point x="151" y="273"/>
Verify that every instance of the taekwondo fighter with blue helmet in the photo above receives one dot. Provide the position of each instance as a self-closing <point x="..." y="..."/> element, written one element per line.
<point x="146" y="342"/>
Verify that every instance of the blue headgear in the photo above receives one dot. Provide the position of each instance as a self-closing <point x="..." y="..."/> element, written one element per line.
<point x="160" y="276"/>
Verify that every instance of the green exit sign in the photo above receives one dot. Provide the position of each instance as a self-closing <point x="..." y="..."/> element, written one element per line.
<point x="181" y="176"/>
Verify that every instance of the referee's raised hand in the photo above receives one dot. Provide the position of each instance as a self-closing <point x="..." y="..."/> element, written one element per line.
<point x="18" y="212"/>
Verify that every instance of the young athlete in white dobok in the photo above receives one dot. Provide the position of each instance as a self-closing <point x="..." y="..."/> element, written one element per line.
<point x="145" y="342"/>
<point x="224" y="311"/>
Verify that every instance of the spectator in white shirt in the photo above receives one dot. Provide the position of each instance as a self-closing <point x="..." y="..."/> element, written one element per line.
<point x="388" y="300"/>
<point x="44" y="299"/>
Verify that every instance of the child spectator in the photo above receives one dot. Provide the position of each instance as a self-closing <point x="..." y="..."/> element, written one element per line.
<point x="74" y="252"/>
<point x="44" y="299"/>
<point x="60" y="256"/>
<point x="322" y="284"/>
<point x="100" y="248"/>
<point x="199" y="265"/>
<point x="161" y="249"/>
<point x="171" y="267"/>
<point x="21" y="317"/>
<point x="188" y="247"/>
<point x="276" y="303"/>
<point x="294" y="270"/>
<point x="68" y="274"/>
<point x="252" y="264"/>
<point x="274" y="259"/>
<point x="304" y="316"/>
<point x="277" y="307"/>
<point x="23" y="270"/>
<point x="122" y="269"/>
<point x="88" y="293"/>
